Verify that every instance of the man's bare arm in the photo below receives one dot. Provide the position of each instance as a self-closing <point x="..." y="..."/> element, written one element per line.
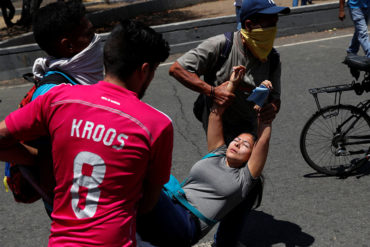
<point x="342" y="14"/>
<point x="192" y="81"/>
<point x="150" y="197"/>
<point x="13" y="151"/>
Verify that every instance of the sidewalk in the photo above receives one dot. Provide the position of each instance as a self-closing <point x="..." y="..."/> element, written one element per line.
<point x="215" y="8"/>
<point x="91" y="6"/>
<point x="210" y="9"/>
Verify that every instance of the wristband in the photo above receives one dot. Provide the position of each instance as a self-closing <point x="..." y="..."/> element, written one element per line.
<point x="212" y="94"/>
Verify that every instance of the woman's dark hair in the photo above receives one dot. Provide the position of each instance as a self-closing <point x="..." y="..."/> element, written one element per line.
<point x="130" y="45"/>
<point x="55" y="21"/>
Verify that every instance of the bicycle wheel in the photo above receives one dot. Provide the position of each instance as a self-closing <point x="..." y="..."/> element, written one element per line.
<point x="329" y="141"/>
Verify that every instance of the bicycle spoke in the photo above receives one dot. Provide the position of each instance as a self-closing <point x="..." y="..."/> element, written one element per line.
<point x="331" y="140"/>
<point x="323" y="153"/>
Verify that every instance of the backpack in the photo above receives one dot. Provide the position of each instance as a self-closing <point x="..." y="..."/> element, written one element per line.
<point x="21" y="180"/>
<point x="52" y="77"/>
<point x="203" y="103"/>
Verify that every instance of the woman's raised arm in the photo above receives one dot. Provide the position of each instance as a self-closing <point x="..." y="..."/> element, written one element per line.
<point x="258" y="157"/>
<point x="215" y="137"/>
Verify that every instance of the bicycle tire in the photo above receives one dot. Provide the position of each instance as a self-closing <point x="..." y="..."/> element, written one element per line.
<point x="319" y="140"/>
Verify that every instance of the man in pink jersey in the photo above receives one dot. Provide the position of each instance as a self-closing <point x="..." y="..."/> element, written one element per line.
<point x="112" y="153"/>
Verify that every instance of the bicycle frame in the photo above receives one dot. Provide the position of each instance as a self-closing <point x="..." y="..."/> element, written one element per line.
<point x="335" y="139"/>
<point x="337" y="89"/>
<point x="343" y="139"/>
<point x="365" y="139"/>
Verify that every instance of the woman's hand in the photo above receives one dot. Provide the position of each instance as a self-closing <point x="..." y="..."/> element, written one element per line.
<point x="267" y="84"/>
<point x="236" y="77"/>
<point x="266" y="114"/>
<point x="222" y="96"/>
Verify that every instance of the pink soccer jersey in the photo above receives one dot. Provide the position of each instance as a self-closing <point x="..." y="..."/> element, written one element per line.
<point x="105" y="142"/>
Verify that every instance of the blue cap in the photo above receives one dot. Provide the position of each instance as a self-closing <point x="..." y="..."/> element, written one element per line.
<point x="251" y="7"/>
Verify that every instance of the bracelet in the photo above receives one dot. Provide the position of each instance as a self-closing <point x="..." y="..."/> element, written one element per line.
<point x="212" y="94"/>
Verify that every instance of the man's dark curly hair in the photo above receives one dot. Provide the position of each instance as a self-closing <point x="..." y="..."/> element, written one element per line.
<point x="56" y="21"/>
<point x="130" y="45"/>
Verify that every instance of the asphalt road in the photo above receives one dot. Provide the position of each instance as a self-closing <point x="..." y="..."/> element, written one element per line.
<point x="300" y="207"/>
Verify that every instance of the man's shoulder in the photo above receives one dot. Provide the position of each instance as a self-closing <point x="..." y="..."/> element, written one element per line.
<point x="212" y="45"/>
<point x="45" y="88"/>
<point x="154" y="121"/>
<point x="159" y="117"/>
<point x="214" y="41"/>
<point x="51" y="90"/>
<point x="66" y="88"/>
<point x="64" y="91"/>
<point x="223" y="38"/>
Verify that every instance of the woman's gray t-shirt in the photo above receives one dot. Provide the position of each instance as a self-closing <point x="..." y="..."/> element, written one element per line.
<point x="215" y="188"/>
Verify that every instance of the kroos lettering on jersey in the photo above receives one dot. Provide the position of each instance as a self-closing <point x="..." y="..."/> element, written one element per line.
<point x="98" y="132"/>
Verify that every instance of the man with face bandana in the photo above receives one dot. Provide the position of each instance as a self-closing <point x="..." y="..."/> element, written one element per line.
<point x="252" y="47"/>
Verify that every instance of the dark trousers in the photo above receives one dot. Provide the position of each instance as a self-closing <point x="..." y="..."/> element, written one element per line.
<point x="168" y="224"/>
<point x="5" y="6"/>
<point x="231" y="227"/>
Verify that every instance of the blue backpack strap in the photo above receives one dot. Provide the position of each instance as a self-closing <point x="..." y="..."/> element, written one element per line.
<point x="42" y="90"/>
<point x="195" y="211"/>
<point x="223" y="55"/>
<point x="57" y="77"/>
<point x="209" y="155"/>
<point x="229" y="36"/>
<point x="173" y="189"/>
<point x="50" y="80"/>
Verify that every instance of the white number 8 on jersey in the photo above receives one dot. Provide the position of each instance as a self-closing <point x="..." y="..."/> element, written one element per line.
<point x="89" y="181"/>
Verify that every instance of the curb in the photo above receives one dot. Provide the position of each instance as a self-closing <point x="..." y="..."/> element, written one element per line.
<point x="15" y="60"/>
<point x="183" y="36"/>
<point x="135" y="9"/>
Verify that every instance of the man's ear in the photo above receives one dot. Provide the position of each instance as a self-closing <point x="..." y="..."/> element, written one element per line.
<point x="142" y="71"/>
<point x="145" y="68"/>
<point x="65" y="44"/>
<point x="66" y="47"/>
<point x="248" y="25"/>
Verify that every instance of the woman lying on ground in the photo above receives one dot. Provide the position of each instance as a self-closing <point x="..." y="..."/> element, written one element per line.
<point x="222" y="187"/>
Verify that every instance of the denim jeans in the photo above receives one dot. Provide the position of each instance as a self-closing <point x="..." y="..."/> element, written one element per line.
<point x="360" y="18"/>
<point x="295" y="3"/>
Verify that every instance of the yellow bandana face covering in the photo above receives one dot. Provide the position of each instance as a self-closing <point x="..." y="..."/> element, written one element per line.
<point x="260" y="41"/>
